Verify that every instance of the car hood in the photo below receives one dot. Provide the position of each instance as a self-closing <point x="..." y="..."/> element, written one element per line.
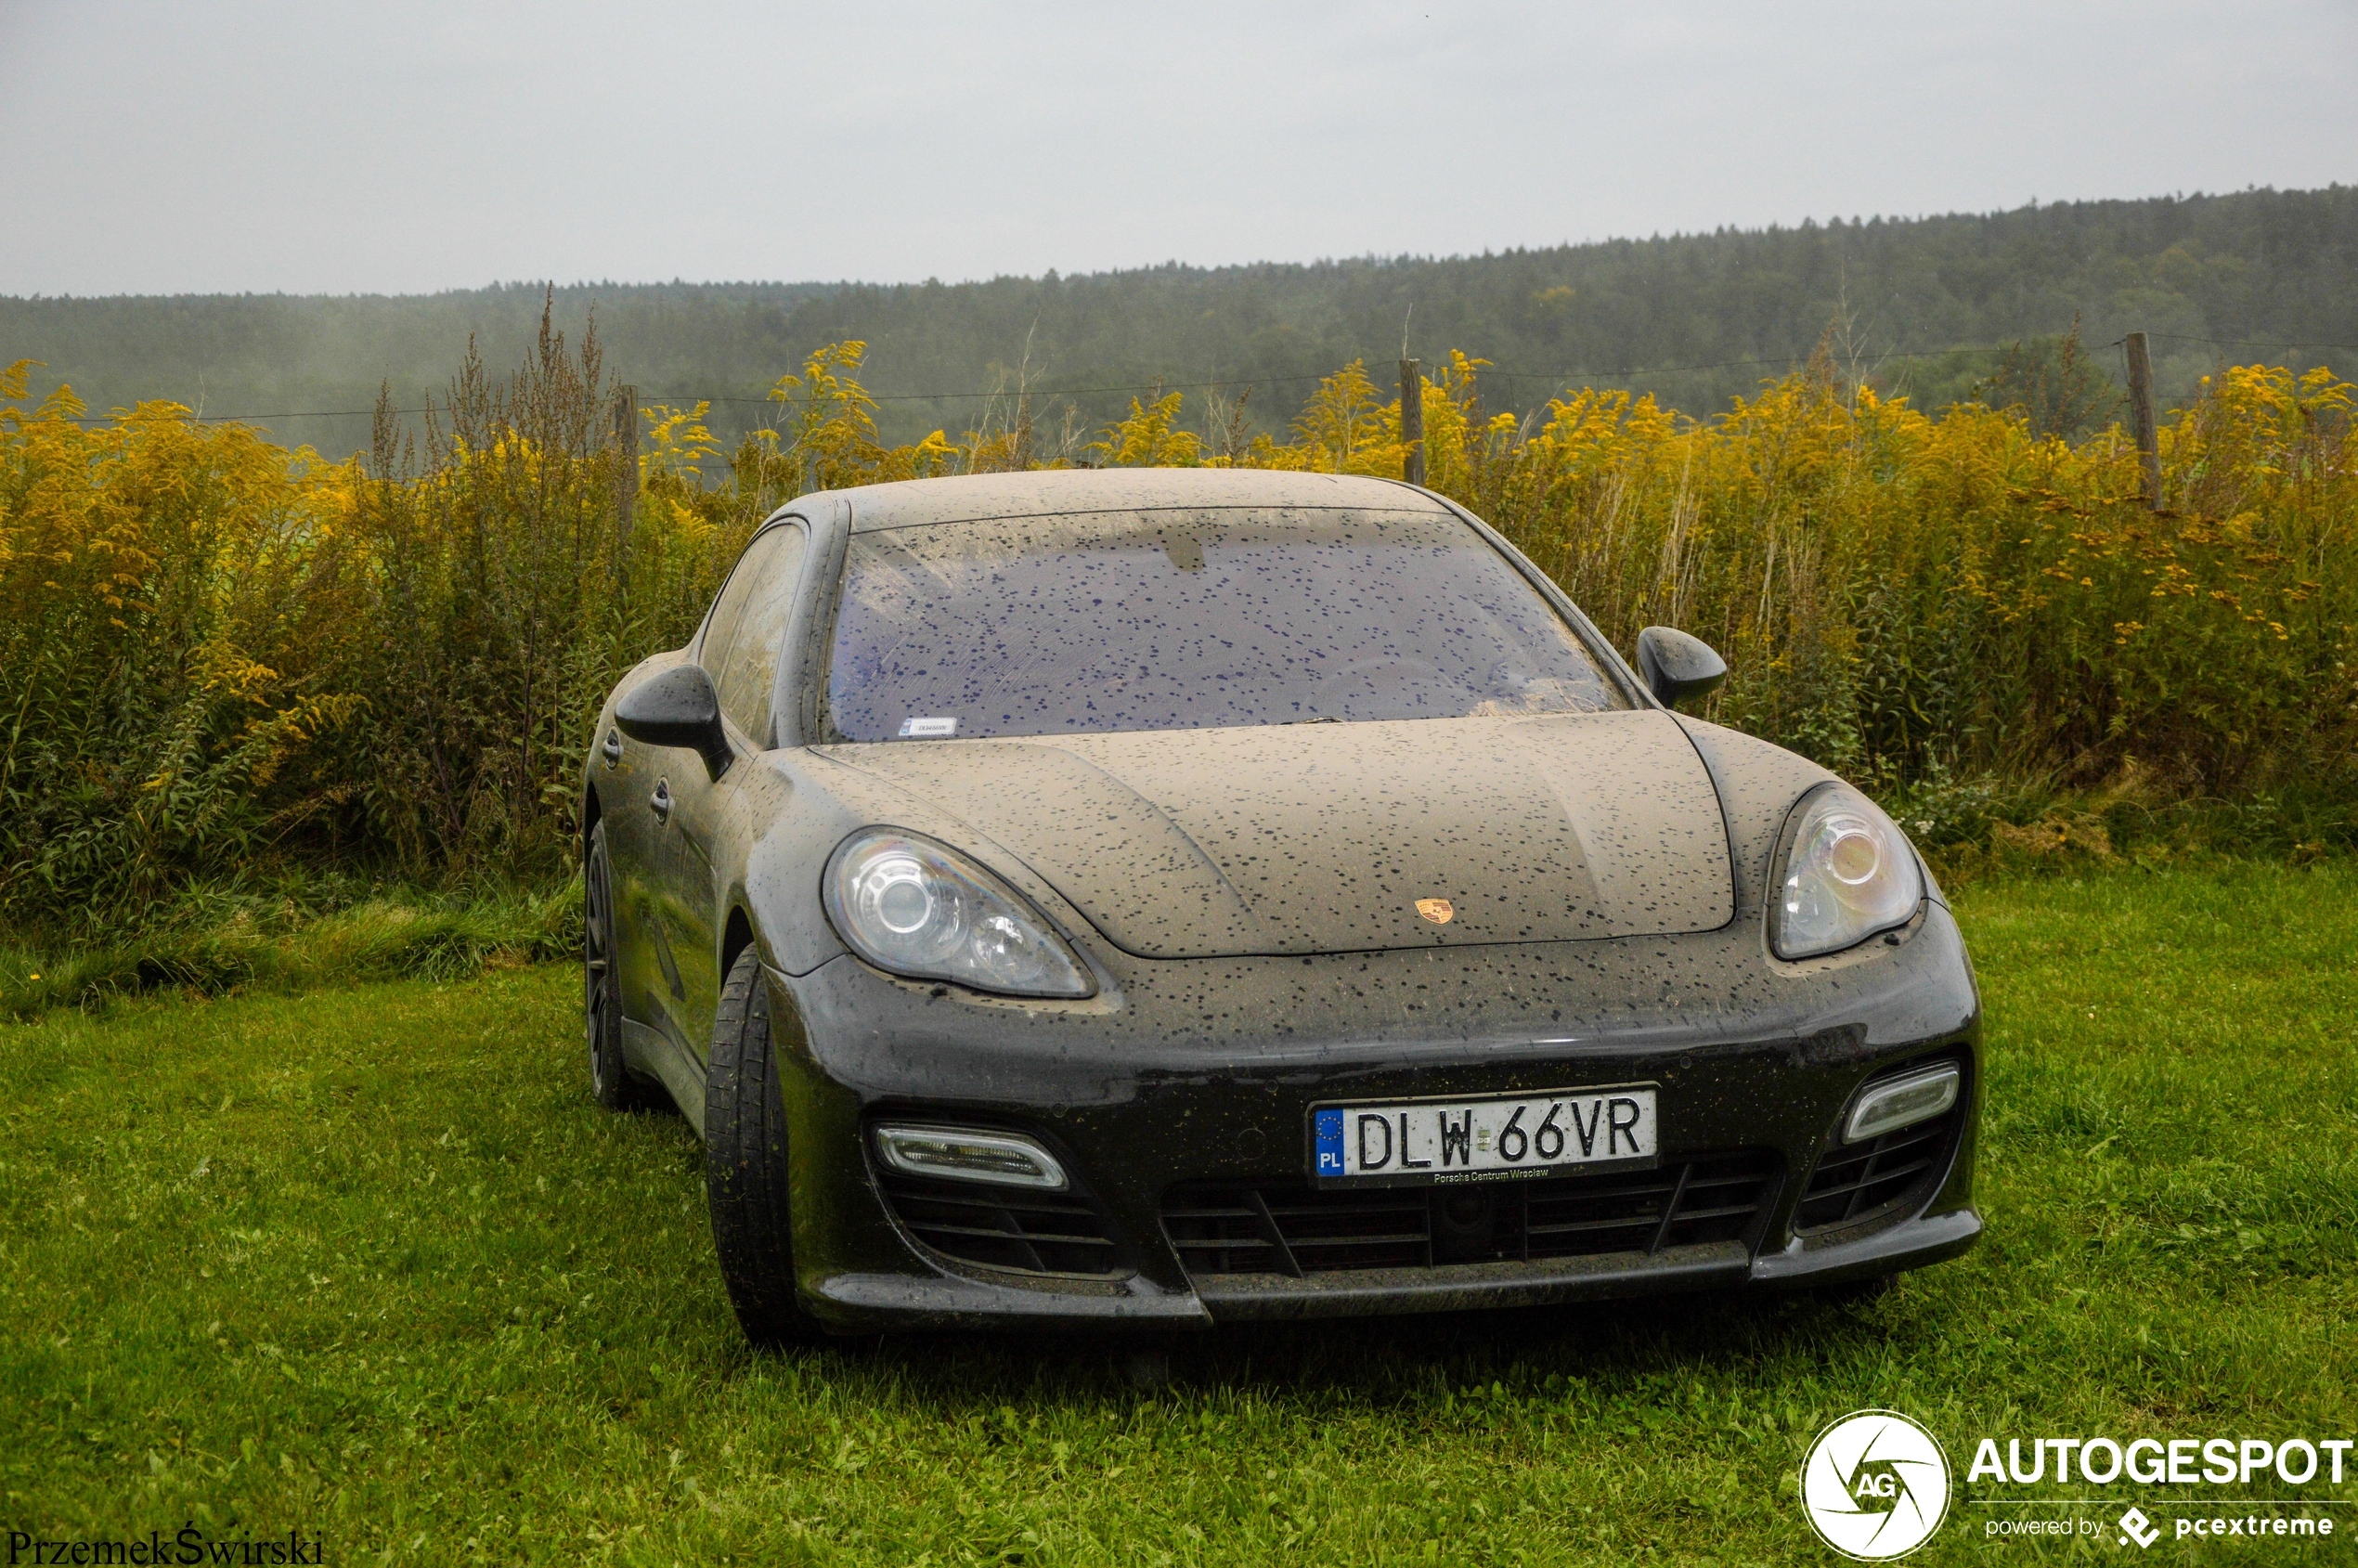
<point x="1303" y="839"/>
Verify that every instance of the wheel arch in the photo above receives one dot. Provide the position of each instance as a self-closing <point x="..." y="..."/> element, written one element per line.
<point x="735" y="936"/>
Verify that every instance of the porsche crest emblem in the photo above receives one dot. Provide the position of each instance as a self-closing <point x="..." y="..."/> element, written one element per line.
<point x="1438" y="911"/>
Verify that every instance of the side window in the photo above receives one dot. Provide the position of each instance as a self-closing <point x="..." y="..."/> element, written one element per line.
<point x="730" y="606"/>
<point x="741" y="649"/>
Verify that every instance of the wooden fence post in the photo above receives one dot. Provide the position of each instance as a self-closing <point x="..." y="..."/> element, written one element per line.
<point x="626" y="483"/>
<point x="1412" y="420"/>
<point x="2141" y="415"/>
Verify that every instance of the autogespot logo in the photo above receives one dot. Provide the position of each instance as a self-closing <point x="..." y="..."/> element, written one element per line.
<point x="1875" y="1485"/>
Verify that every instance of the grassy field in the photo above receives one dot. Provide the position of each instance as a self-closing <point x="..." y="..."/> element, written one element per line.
<point x="369" y="1264"/>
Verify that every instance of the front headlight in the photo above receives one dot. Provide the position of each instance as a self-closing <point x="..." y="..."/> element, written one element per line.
<point x="914" y="907"/>
<point x="1849" y="874"/>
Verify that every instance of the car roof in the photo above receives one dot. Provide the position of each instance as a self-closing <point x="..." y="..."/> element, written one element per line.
<point x="1045" y="492"/>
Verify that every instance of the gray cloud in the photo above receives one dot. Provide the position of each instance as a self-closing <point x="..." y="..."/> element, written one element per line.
<point x="245" y="145"/>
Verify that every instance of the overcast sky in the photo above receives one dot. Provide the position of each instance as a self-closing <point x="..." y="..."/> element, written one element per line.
<point x="319" y="148"/>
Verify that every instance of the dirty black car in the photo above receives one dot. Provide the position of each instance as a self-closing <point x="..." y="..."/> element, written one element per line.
<point x="1166" y="898"/>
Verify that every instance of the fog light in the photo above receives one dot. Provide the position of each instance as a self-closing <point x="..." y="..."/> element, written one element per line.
<point x="1009" y="1158"/>
<point x="1902" y="1102"/>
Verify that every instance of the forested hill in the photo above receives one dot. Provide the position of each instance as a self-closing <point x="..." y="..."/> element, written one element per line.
<point x="1696" y="319"/>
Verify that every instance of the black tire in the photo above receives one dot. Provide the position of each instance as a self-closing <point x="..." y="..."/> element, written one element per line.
<point x="610" y="1078"/>
<point x="744" y="1143"/>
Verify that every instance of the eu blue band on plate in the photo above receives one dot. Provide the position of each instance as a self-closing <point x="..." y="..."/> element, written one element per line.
<point x="1329" y="1129"/>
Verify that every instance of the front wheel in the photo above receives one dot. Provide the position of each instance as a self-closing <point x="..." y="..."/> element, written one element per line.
<point x="745" y="1141"/>
<point x="610" y="1078"/>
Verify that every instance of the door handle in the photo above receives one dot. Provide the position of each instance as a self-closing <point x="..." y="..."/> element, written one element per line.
<point x="613" y="748"/>
<point x="660" y="801"/>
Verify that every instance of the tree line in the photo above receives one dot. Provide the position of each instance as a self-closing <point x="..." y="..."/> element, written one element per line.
<point x="1695" y="320"/>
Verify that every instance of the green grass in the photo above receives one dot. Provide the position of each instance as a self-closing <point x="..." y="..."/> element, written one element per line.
<point x="219" y="940"/>
<point x="369" y="1263"/>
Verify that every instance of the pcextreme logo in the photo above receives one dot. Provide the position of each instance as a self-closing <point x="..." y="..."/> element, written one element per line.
<point x="1874" y="1485"/>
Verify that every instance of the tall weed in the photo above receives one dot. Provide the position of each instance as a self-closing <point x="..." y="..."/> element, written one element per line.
<point x="217" y="653"/>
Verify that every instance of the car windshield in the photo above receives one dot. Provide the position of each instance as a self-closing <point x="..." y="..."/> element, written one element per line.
<point x="1191" y="619"/>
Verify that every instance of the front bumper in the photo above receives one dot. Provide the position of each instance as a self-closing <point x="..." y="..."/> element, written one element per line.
<point x="1183" y="1074"/>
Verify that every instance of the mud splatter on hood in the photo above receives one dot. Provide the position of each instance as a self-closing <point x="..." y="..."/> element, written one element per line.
<point x="1309" y="838"/>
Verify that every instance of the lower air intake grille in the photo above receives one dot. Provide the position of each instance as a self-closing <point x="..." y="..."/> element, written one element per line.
<point x="1857" y="1181"/>
<point x="1006" y="1228"/>
<point x="1293" y="1228"/>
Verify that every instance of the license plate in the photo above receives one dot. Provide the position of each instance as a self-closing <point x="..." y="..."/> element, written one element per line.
<point x="1402" y="1142"/>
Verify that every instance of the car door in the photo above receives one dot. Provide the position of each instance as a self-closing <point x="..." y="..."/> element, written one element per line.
<point x="739" y="650"/>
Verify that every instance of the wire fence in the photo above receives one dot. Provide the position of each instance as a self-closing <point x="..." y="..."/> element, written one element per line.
<point x="1560" y="378"/>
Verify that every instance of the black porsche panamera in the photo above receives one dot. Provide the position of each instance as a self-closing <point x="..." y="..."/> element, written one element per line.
<point x="1170" y="897"/>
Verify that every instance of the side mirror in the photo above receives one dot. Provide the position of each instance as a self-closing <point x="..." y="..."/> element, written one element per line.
<point x="1677" y="666"/>
<point x="680" y="709"/>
